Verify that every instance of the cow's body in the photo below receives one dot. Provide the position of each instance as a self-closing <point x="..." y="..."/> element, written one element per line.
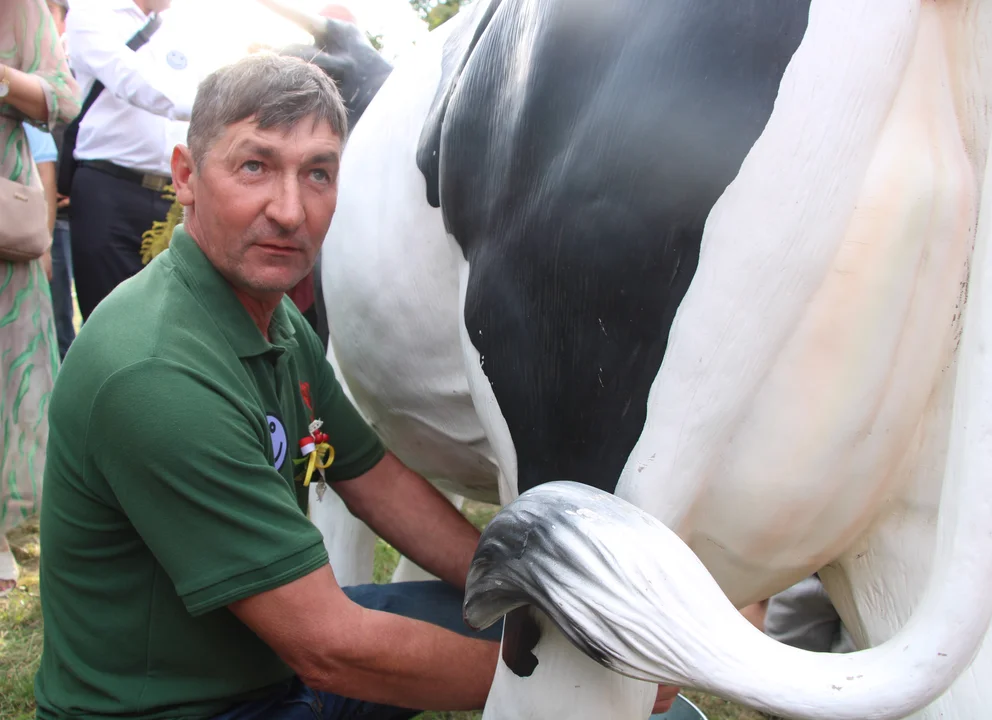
<point x="711" y="257"/>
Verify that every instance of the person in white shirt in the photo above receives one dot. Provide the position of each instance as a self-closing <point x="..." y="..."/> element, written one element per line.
<point x="122" y="185"/>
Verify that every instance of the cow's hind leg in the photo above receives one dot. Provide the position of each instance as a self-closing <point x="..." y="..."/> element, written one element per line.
<point x="877" y="584"/>
<point x="349" y="542"/>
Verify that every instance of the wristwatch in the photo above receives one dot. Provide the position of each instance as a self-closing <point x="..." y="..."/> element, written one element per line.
<point x="4" y="85"/>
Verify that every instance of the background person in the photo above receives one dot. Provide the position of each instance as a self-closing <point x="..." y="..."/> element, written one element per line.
<point x="804" y="617"/>
<point x="45" y="155"/>
<point x="61" y="280"/>
<point x="121" y="188"/>
<point x="37" y="87"/>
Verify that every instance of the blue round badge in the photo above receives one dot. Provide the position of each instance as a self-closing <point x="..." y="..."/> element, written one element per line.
<point x="176" y="60"/>
<point x="279" y="444"/>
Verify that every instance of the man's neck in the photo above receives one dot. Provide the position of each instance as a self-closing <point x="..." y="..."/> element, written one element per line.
<point x="143" y="6"/>
<point x="259" y="309"/>
<point x="259" y="306"/>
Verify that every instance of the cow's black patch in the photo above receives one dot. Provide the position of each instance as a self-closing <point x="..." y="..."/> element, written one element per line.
<point x="527" y="552"/>
<point x="520" y="636"/>
<point x="458" y="48"/>
<point x="582" y="150"/>
<point x="344" y="54"/>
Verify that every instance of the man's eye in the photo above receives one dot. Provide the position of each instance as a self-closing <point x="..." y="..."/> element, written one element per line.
<point x="252" y="166"/>
<point x="321" y="176"/>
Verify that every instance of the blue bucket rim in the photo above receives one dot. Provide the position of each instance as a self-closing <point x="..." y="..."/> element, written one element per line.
<point x="690" y="703"/>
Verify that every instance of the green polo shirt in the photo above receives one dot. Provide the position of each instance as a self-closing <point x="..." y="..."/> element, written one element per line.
<point x="170" y="493"/>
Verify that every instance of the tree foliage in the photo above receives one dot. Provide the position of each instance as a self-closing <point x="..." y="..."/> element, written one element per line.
<point x="376" y="40"/>
<point x="435" y="12"/>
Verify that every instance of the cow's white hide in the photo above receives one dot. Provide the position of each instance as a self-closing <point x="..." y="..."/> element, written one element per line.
<point x="802" y="414"/>
<point x="415" y="394"/>
<point x="349" y="542"/>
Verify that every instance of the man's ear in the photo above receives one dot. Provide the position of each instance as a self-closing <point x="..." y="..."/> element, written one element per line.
<point x="183" y="175"/>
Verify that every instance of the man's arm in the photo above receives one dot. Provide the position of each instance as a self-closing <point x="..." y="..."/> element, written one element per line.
<point x="337" y="646"/>
<point x="412" y="516"/>
<point x="310" y="22"/>
<point x="126" y="74"/>
<point x="266" y="560"/>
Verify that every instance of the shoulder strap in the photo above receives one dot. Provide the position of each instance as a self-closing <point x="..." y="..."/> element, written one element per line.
<point x="140" y="38"/>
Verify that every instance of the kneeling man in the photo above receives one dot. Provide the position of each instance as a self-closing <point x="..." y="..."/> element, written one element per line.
<point x="180" y="576"/>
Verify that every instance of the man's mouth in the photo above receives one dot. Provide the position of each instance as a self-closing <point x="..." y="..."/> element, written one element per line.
<point x="279" y="249"/>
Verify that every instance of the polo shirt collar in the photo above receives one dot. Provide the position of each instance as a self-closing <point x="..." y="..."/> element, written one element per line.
<point x="215" y="293"/>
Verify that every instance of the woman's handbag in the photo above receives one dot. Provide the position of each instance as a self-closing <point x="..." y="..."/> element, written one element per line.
<point x="24" y="231"/>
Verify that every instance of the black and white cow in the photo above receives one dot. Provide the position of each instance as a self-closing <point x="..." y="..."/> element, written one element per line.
<point x="688" y="277"/>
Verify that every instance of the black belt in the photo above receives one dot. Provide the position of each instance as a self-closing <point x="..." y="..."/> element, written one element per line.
<point x="145" y="180"/>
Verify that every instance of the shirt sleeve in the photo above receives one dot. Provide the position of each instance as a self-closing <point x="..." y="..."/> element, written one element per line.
<point x="131" y="76"/>
<point x="185" y="459"/>
<point x="42" y="145"/>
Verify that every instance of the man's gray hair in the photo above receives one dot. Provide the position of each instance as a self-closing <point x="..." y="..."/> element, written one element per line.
<point x="274" y="91"/>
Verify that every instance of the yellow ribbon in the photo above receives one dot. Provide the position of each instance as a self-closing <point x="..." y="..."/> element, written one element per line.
<point x="317" y="462"/>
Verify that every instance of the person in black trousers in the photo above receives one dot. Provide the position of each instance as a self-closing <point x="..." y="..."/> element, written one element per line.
<point x="121" y="192"/>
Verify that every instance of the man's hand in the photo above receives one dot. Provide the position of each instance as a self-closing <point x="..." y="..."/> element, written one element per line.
<point x="665" y="699"/>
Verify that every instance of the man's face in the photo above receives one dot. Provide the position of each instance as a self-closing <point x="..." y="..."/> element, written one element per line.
<point x="262" y="201"/>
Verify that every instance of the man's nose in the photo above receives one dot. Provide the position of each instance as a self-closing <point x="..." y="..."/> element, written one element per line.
<point x="286" y="208"/>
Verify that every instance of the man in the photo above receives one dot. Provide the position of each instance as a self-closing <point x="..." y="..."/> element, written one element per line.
<point x="121" y="188"/>
<point x="181" y="576"/>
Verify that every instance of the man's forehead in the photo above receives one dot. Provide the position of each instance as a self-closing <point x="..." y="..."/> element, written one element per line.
<point x="305" y="138"/>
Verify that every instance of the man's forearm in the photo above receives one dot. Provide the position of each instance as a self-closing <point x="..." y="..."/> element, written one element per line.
<point x="390" y="659"/>
<point x="336" y="645"/>
<point x="310" y="23"/>
<point x="415" y="518"/>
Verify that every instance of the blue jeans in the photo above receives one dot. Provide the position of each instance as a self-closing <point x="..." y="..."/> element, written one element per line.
<point x="433" y="602"/>
<point x="62" y="286"/>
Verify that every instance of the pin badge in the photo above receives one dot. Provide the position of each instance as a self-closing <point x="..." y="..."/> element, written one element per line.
<point x="176" y="60"/>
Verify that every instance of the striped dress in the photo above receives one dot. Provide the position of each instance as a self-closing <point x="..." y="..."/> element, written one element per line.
<point x="28" y="348"/>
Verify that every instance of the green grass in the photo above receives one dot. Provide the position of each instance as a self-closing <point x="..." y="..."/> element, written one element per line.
<point x="20" y="629"/>
<point x="21" y="637"/>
